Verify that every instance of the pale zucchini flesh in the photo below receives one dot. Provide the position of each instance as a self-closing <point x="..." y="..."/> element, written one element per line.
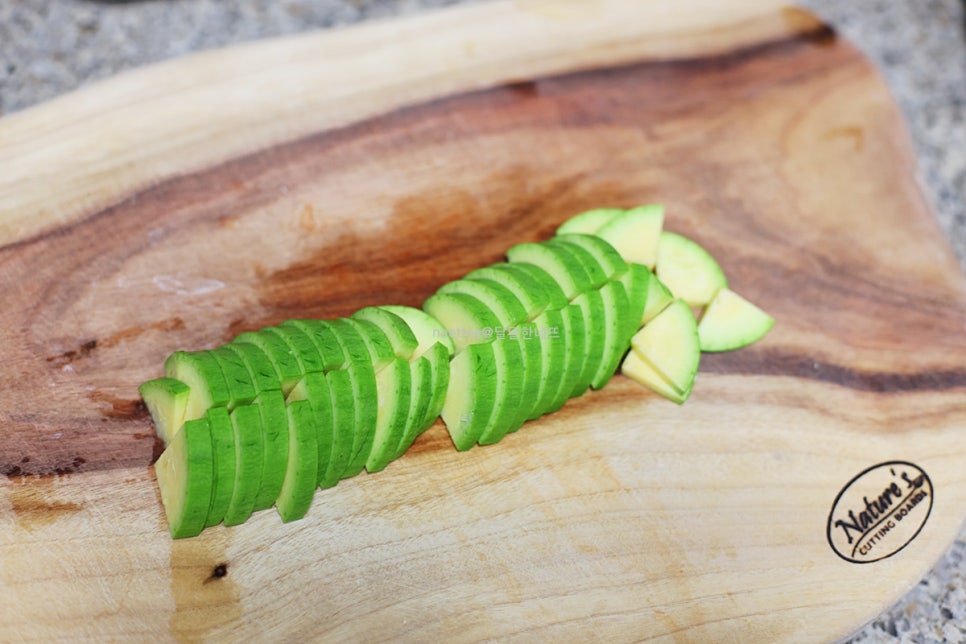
<point x="731" y="322"/>
<point x="184" y="472"/>
<point x="635" y="234"/>
<point x="589" y="221"/>
<point x="688" y="270"/>
<point x="670" y="344"/>
<point x="167" y="402"/>
<point x="638" y="370"/>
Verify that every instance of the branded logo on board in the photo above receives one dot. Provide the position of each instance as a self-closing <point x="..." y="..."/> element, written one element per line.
<point x="879" y="512"/>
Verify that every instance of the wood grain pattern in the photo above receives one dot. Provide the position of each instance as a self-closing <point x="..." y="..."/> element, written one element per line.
<point x="770" y="140"/>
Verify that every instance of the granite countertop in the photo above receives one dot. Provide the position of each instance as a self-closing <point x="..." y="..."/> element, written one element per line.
<point x="48" y="47"/>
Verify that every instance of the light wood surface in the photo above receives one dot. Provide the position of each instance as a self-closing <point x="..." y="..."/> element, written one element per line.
<point x="176" y="206"/>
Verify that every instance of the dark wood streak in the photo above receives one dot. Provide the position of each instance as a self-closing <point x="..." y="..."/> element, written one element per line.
<point x="114" y="407"/>
<point x="67" y="357"/>
<point x="775" y="361"/>
<point x="322" y="284"/>
<point x="28" y="468"/>
<point x="174" y="191"/>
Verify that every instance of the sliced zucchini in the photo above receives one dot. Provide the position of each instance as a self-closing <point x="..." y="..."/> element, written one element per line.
<point x="246" y="423"/>
<point x="271" y="405"/>
<point x="223" y="464"/>
<point x="185" y="474"/>
<point x="167" y="402"/>
<point x="301" y="471"/>
<point x="203" y="376"/>
<point x="589" y="221"/>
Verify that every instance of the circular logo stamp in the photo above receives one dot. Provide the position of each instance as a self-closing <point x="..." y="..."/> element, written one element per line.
<point x="879" y="511"/>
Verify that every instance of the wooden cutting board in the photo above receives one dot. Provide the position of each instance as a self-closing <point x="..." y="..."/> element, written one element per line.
<point x="176" y="206"/>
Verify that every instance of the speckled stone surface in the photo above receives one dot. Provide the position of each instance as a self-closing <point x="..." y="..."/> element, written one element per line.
<point x="48" y="47"/>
